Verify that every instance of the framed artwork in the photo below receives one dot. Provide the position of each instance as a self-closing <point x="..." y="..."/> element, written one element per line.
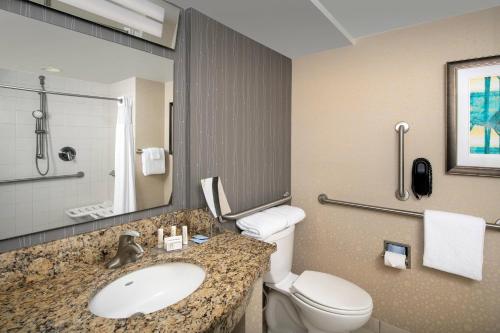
<point x="473" y="117"/>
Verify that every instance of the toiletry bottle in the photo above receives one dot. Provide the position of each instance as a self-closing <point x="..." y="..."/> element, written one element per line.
<point x="184" y="235"/>
<point x="160" y="238"/>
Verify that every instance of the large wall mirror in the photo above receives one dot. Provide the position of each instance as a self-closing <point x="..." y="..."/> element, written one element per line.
<point x="84" y="128"/>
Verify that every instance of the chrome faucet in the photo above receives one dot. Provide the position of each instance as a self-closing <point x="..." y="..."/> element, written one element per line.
<point x="128" y="250"/>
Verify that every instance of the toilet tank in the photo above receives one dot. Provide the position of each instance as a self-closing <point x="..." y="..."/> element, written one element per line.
<point x="281" y="260"/>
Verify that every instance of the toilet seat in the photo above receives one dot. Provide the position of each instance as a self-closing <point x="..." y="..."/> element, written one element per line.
<point x="318" y="306"/>
<point x="331" y="294"/>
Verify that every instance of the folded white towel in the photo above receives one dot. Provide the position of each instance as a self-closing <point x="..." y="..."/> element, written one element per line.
<point x="454" y="243"/>
<point x="261" y="225"/>
<point x="292" y="214"/>
<point x="151" y="164"/>
<point x="156" y="153"/>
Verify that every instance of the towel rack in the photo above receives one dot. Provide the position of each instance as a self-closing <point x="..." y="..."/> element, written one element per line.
<point x="79" y="174"/>
<point x="323" y="199"/>
<point x="140" y="151"/>
<point x="233" y="217"/>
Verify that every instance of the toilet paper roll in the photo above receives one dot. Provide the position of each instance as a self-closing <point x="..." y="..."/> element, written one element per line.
<point x="395" y="260"/>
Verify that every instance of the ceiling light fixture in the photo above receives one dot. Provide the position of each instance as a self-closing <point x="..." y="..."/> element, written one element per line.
<point x="135" y="17"/>
<point x="51" y="69"/>
<point x="144" y="7"/>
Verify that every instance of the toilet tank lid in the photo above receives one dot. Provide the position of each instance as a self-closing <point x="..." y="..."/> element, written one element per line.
<point x="332" y="292"/>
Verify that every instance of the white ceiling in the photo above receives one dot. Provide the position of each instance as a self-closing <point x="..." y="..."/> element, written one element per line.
<point x="28" y="45"/>
<point x="299" y="27"/>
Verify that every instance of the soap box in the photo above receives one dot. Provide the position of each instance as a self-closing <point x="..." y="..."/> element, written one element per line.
<point x="173" y="243"/>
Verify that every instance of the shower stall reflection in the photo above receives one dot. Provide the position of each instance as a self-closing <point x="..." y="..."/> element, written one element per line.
<point x="105" y="133"/>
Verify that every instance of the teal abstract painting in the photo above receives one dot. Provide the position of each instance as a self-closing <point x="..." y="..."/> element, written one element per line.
<point x="484" y="117"/>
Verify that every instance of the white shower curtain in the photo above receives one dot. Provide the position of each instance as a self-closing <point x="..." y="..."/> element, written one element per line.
<point x="124" y="196"/>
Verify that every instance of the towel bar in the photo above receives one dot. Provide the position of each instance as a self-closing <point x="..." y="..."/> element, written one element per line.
<point x="140" y="151"/>
<point x="233" y="217"/>
<point x="323" y="199"/>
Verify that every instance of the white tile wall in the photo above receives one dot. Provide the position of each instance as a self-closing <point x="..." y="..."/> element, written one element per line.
<point x="84" y="124"/>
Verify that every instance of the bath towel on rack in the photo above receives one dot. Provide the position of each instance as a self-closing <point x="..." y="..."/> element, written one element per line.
<point x="454" y="243"/>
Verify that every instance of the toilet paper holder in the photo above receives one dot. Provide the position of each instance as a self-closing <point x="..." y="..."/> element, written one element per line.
<point x="406" y="247"/>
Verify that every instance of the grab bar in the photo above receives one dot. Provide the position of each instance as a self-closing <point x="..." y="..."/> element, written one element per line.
<point x="233" y="217"/>
<point x="79" y="174"/>
<point x="323" y="199"/>
<point x="401" y="193"/>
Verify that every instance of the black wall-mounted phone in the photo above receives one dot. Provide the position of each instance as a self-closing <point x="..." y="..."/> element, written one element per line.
<point x="421" y="178"/>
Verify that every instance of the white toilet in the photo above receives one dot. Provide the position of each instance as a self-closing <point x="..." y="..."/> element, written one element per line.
<point x="311" y="302"/>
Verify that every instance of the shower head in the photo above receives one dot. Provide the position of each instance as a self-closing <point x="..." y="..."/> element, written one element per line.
<point x="37" y="114"/>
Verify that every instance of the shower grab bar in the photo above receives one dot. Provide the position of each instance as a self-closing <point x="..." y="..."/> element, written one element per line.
<point x="233" y="217"/>
<point x="43" y="91"/>
<point x="323" y="199"/>
<point x="79" y="174"/>
<point x="401" y="193"/>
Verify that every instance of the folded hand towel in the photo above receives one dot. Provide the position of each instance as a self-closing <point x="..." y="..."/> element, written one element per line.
<point x="151" y="165"/>
<point x="261" y="225"/>
<point x="292" y="214"/>
<point x="454" y="243"/>
<point x="156" y="153"/>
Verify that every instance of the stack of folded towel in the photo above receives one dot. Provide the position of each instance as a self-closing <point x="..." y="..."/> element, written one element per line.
<point x="263" y="224"/>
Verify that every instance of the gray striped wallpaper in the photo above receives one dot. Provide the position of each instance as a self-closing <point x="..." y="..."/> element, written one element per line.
<point x="240" y="115"/>
<point x="180" y="184"/>
<point x="232" y="115"/>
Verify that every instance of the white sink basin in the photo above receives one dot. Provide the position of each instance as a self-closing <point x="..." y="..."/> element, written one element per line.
<point x="147" y="290"/>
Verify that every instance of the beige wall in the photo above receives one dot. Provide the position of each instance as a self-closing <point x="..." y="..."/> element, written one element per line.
<point x="149" y="132"/>
<point x="169" y="98"/>
<point x="345" y="104"/>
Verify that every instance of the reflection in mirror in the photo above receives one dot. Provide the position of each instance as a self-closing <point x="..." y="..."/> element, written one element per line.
<point x="84" y="125"/>
<point x="153" y="20"/>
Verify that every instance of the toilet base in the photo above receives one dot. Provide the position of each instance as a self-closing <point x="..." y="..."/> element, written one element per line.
<point x="283" y="316"/>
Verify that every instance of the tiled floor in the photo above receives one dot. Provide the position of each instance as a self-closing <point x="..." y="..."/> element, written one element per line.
<point x="377" y="326"/>
<point x="362" y="330"/>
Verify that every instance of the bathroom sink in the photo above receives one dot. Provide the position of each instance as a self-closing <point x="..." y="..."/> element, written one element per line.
<point x="147" y="290"/>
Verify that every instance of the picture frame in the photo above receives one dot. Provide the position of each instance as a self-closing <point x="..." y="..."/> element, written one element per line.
<point x="473" y="117"/>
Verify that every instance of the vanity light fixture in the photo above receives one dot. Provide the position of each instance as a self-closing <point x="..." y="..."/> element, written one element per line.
<point x="144" y="7"/>
<point x="51" y="69"/>
<point x="141" y="15"/>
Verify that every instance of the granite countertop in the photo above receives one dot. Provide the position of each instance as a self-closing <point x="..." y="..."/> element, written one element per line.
<point x="60" y="303"/>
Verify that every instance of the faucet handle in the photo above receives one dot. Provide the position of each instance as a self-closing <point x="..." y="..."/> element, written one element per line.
<point x="128" y="237"/>
<point x="131" y="233"/>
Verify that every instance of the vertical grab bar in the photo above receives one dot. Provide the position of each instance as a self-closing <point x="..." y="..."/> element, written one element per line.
<point x="401" y="193"/>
